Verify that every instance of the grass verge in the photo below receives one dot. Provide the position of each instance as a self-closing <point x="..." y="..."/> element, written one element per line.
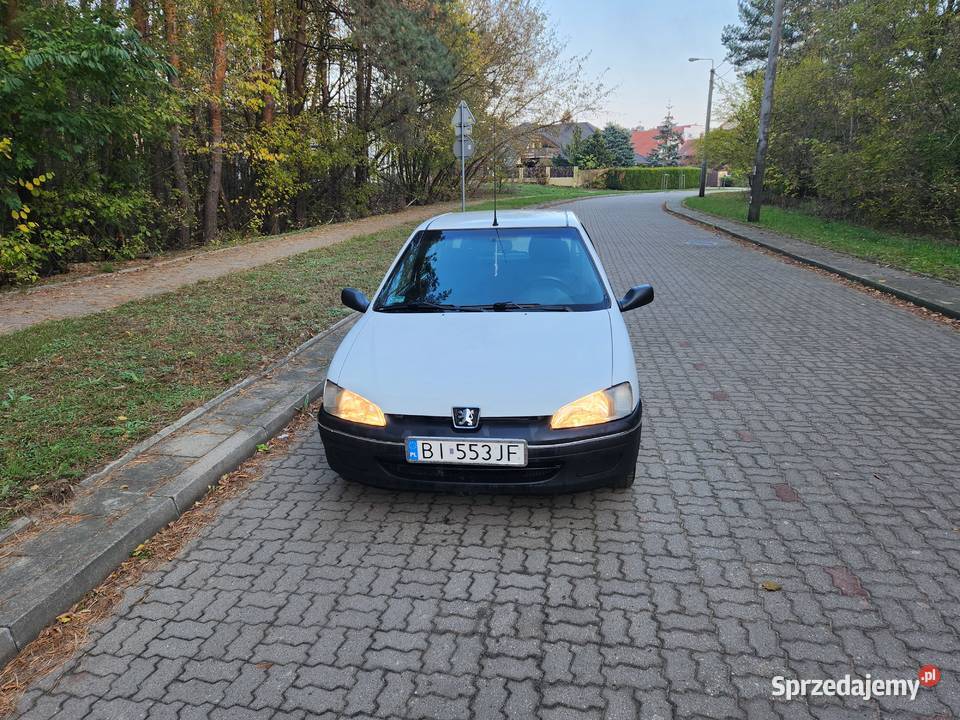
<point x="917" y="253"/>
<point x="520" y="195"/>
<point x="76" y="393"/>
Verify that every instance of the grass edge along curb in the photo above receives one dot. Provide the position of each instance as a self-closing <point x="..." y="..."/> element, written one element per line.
<point x="916" y="253"/>
<point x="682" y="211"/>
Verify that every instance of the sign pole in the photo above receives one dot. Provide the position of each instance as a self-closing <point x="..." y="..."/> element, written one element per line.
<point x="463" y="171"/>
<point x="463" y="122"/>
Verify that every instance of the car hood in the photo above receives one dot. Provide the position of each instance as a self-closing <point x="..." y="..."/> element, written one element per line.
<point x="509" y="364"/>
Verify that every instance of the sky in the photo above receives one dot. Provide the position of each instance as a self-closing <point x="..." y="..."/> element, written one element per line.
<point x="643" y="45"/>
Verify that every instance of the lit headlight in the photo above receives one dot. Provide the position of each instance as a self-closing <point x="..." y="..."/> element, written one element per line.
<point x="349" y="406"/>
<point x="597" y="407"/>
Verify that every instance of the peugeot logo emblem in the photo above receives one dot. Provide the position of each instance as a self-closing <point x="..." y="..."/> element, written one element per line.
<point x="466" y="418"/>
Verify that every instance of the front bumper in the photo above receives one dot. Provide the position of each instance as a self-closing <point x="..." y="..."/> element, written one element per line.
<point x="557" y="460"/>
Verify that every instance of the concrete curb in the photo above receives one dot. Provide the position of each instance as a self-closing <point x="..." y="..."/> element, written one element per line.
<point x="936" y="295"/>
<point x="43" y="573"/>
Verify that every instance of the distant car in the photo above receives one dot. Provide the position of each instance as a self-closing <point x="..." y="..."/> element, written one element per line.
<point x="492" y="358"/>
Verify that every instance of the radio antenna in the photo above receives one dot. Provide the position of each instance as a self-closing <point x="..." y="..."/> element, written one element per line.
<point x="495" y="223"/>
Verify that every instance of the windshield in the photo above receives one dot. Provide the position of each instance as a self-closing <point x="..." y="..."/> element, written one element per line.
<point x="492" y="269"/>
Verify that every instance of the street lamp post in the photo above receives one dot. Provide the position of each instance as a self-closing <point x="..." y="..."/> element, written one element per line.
<point x="706" y="129"/>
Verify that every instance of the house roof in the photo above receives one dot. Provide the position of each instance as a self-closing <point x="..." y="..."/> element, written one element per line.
<point x="563" y="132"/>
<point x="643" y="140"/>
<point x="688" y="151"/>
<point x="560" y="134"/>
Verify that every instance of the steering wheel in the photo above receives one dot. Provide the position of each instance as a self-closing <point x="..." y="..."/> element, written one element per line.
<point x="553" y="283"/>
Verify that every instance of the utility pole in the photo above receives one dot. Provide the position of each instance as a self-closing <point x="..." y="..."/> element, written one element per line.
<point x="766" y="108"/>
<point x="706" y="129"/>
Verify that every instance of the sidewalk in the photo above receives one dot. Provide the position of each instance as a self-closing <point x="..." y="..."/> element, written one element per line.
<point x="49" y="562"/>
<point x="936" y="295"/>
<point x="101" y="292"/>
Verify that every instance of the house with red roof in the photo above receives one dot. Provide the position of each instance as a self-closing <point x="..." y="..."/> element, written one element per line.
<point x="644" y="143"/>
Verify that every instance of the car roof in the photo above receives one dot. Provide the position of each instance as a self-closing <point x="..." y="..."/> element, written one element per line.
<point x="505" y="219"/>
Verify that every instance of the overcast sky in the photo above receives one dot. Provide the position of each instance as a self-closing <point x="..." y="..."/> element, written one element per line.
<point x="644" y="46"/>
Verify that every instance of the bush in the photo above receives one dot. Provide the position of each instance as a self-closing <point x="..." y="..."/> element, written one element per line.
<point x="652" y="178"/>
<point x="733" y="180"/>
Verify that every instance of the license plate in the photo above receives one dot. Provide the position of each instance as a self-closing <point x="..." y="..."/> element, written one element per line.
<point x="512" y="453"/>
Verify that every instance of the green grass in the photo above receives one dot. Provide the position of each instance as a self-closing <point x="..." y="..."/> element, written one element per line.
<point x="77" y="393"/>
<point x="520" y="195"/>
<point x="917" y="253"/>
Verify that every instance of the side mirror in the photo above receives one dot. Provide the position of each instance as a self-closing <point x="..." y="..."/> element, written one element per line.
<point x="637" y="296"/>
<point x="354" y="299"/>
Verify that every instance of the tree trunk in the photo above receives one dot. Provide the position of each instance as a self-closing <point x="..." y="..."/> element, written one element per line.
<point x="299" y="94"/>
<point x="362" y="115"/>
<point x="176" y="146"/>
<point x="267" y="26"/>
<point x="138" y="12"/>
<point x="227" y="212"/>
<point x="216" y="122"/>
<point x="10" y="19"/>
<point x="323" y="62"/>
<point x="267" y="30"/>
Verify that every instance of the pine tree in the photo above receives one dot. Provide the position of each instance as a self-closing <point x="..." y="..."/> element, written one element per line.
<point x="595" y="153"/>
<point x="748" y="40"/>
<point x="669" y="139"/>
<point x="572" y="152"/>
<point x="619" y="145"/>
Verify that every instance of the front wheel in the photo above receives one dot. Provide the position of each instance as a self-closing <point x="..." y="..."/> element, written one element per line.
<point x="626" y="481"/>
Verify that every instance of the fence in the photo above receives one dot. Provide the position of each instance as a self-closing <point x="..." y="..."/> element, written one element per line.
<point x="565" y="176"/>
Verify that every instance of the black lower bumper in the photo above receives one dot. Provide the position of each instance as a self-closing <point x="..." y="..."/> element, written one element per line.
<point x="557" y="461"/>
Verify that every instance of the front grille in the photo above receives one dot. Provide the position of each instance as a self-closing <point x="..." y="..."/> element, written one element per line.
<point x="532" y="473"/>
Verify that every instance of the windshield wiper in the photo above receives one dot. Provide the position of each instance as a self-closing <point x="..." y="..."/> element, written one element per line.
<point x="420" y="306"/>
<point x="417" y="306"/>
<point x="510" y="306"/>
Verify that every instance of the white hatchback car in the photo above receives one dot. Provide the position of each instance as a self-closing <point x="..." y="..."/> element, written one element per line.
<point x="491" y="358"/>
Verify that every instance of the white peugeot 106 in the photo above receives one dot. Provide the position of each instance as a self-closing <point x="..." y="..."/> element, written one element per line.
<point x="492" y="357"/>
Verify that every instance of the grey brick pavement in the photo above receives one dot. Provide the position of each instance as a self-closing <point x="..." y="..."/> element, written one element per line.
<point x="795" y="430"/>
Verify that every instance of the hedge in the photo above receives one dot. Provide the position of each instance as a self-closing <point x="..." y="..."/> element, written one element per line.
<point x="652" y="178"/>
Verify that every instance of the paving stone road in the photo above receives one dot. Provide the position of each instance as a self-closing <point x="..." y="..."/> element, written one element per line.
<point x="796" y="430"/>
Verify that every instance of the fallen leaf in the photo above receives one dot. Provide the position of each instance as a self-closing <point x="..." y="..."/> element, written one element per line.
<point x="121" y="418"/>
<point x="64" y="619"/>
<point x="771" y="585"/>
<point x="34" y="488"/>
<point x="264" y="665"/>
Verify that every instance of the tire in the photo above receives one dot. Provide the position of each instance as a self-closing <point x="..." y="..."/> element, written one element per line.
<point x="625" y="482"/>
